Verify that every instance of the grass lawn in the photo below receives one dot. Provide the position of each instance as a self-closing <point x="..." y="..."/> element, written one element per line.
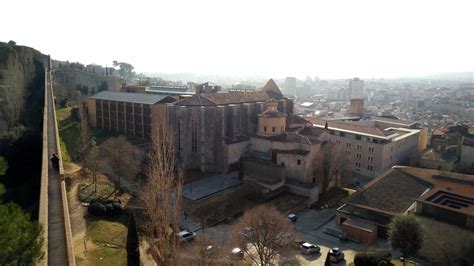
<point x="400" y="263"/>
<point x="110" y="238"/>
<point x="69" y="132"/>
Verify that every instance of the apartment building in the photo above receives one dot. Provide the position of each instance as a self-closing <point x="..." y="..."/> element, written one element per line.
<point x="372" y="147"/>
<point x="127" y="113"/>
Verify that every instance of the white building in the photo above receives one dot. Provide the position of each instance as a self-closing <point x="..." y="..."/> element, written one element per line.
<point x="356" y="89"/>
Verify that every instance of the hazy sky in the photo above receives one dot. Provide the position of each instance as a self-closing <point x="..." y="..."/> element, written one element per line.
<point x="272" y="38"/>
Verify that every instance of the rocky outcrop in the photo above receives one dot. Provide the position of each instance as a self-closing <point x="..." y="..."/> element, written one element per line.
<point x="19" y="70"/>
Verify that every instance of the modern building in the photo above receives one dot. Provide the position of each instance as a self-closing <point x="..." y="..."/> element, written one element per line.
<point x="374" y="146"/>
<point x="131" y="114"/>
<point x="438" y="195"/>
<point x="177" y="92"/>
<point x="356" y="89"/>
<point x="290" y="85"/>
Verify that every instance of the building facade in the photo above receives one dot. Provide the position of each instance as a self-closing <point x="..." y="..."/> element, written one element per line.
<point x="212" y="129"/>
<point x="132" y="114"/>
<point x="356" y="89"/>
<point x="372" y="147"/>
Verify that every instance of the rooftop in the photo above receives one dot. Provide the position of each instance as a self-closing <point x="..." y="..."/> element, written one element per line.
<point x="394" y="192"/>
<point x="210" y="186"/>
<point x="142" y="98"/>
<point x="270" y="91"/>
<point x="352" y="127"/>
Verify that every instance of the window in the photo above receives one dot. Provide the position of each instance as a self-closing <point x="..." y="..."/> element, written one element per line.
<point x="298" y="162"/>
<point x="273" y="129"/>
<point x="265" y="128"/>
<point x="370" y="167"/>
<point x="338" y="141"/>
<point x="370" y="158"/>
<point x="359" y="155"/>
<point x="358" y="137"/>
<point x="193" y="135"/>
<point x="348" y="144"/>
<point x="348" y="152"/>
<point x="358" y="164"/>
<point x="359" y="146"/>
<point x="371" y="149"/>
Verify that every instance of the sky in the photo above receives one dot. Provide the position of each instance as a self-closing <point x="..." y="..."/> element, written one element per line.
<point x="329" y="39"/>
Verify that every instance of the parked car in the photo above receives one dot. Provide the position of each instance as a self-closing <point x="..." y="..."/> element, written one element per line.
<point x="292" y="217"/>
<point x="336" y="255"/>
<point x="237" y="253"/>
<point x="308" y="248"/>
<point x="186" y="236"/>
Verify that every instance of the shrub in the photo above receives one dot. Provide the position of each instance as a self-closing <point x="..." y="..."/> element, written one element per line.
<point x="98" y="209"/>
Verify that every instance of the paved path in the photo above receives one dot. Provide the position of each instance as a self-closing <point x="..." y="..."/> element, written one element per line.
<point x="57" y="249"/>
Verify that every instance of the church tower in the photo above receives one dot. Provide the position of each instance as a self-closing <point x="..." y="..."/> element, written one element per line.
<point x="271" y="122"/>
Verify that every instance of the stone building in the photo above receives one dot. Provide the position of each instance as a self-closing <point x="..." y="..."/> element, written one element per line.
<point x="213" y="129"/>
<point x="131" y="114"/>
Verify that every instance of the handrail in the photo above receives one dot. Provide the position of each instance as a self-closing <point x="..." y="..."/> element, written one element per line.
<point x="43" y="202"/>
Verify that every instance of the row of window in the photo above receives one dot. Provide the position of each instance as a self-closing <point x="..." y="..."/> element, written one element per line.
<point x="273" y="129"/>
<point x="359" y="146"/>
<point x="368" y="167"/>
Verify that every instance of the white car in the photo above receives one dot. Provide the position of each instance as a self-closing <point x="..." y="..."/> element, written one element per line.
<point x="308" y="248"/>
<point x="237" y="253"/>
<point x="186" y="236"/>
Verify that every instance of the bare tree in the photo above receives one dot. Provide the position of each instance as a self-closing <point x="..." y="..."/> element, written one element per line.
<point x="84" y="134"/>
<point x="90" y="163"/>
<point x="263" y="233"/>
<point x="162" y="196"/>
<point x="330" y="164"/>
<point x="121" y="161"/>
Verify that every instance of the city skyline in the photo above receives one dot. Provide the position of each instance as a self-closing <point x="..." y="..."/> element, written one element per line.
<point x="366" y="39"/>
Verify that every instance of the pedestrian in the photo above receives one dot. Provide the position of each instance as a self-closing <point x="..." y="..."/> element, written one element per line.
<point x="55" y="162"/>
<point x="185" y="216"/>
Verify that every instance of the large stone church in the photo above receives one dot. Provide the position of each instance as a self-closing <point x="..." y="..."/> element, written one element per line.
<point x="213" y="129"/>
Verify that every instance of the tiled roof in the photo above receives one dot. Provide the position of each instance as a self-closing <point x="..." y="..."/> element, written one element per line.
<point x="393" y="120"/>
<point x="270" y="113"/>
<point x="272" y="88"/>
<point x="353" y="126"/>
<point x="296" y="119"/>
<point x="143" y="98"/>
<point x="393" y="192"/>
<point x="269" y="91"/>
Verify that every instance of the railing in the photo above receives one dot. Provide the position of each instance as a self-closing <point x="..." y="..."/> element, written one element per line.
<point x="43" y="201"/>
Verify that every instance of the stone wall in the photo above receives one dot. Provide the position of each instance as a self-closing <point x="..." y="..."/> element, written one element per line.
<point x="69" y="78"/>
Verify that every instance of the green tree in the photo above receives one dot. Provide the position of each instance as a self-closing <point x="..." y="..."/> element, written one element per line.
<point x="125" y="69"/>
<point x="405" y="234"/>
<point x="103" y="86"/>
<point x="21" y="239"/>
<point x="3" y="165"/>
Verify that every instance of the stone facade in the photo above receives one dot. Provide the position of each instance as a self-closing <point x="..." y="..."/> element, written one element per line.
<point x="208" y="126"/>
